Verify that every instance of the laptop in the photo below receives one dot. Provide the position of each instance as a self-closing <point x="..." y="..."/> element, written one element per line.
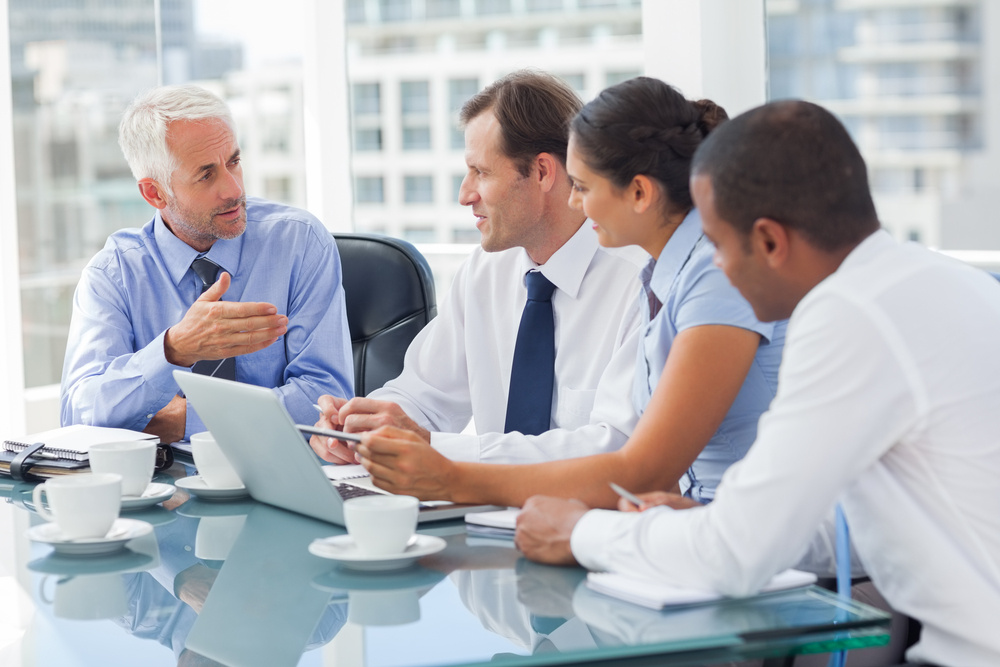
<point x="276" y="464"/>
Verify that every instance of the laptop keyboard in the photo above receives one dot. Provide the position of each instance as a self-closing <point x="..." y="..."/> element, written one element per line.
<point x="348" y="491"/>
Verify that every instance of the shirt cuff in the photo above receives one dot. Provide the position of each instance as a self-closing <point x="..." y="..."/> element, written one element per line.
<point x="589" y="541"/>
<point x="155" y="368"/>
<point x="457" y="446"/>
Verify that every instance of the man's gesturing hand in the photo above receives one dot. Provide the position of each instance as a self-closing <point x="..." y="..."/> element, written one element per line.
<point x="214" y="329"/>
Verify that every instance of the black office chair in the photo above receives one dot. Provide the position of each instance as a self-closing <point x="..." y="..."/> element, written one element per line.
<point x="390" y="297"/>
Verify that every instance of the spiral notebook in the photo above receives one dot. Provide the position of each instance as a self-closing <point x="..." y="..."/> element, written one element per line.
<point x="74" y="442"/>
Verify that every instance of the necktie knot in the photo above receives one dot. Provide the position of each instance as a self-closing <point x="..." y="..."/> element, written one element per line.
<point x="539" y="287"/>
<point x="207" y="270"/>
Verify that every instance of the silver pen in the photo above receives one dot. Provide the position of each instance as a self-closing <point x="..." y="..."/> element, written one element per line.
<point x="627" y="495"/>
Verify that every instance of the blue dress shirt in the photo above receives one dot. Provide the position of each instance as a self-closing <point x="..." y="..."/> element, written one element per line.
<point x="684" y="289"/>
<point x="141" y="283"/>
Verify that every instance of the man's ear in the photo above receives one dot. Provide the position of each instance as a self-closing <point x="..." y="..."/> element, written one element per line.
<point x="771" y="240"/>
<point x="152" y="193"/>
<point x="548" y="169"/>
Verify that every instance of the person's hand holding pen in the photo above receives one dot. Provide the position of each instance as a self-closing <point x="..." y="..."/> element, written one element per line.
<point x="630" y="502"/>
<point x="327" y="448"/>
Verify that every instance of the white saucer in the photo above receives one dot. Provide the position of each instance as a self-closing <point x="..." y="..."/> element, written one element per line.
<point x="341" y="548"/>
<point x="196" y="486"/>
<point x="122" y="530"/>
<point x="154" y="494"/>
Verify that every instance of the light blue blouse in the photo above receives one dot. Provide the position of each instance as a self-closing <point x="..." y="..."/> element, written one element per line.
<point x="684" y="289"/>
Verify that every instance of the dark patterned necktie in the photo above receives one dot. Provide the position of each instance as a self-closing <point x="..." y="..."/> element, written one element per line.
<point x="532" y="375"/>
<point x="207" y="270"/>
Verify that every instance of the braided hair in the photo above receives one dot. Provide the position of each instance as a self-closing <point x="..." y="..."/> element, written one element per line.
<point x="645" y="126"/>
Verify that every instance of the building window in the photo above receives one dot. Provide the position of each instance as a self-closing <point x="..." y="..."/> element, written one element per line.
<point x="369" y="190"/>
<point x="613" y="77"/>
<point x="415" y="97"/>
<point x="416" y="138"/>
<point x="366" y="99"/>
<point x="418" y="189"/>
<point x="443" y="9"/>
<point x="489" y="7"/>
<point x="355" y="11"/>
<point x="466" y="235"/>
<point x="368" y="139"/>
<point x="394" y="10"/>
<point x="456" y="186"/>
<point x="577" y="82"/>
<point x="543" y="5"/>
<point x="420" y="234"/>
<point x="460" y="91"/>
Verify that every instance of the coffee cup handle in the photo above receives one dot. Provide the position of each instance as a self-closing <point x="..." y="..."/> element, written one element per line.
<point x="36" y="499"/>
<point x="41" y="587"/>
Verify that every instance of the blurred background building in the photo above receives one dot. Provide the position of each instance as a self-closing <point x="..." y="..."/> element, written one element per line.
<point x="916" y="82"/>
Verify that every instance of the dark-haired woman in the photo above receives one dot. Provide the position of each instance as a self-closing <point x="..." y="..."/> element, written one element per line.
<point x="707" y="368"/>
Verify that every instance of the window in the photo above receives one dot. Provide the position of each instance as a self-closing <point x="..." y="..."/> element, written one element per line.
<point x="367" y="139"/>
<point x="441" y="9"/>
<point x="394" y="10"/>
<point x="460" y="91"/>
<point x="613" y="77"/>
<point x="416" y="138"/>
<point x="418" y="189"/>
<point x="366" y="99"/>
<point x="416" y="97"/>
<point x="456" y="186"/>
<point x="368" y="190"/>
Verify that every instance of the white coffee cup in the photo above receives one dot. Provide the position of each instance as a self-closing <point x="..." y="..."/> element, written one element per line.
<point x="134" y="461"/>
<point x="381" y="525"/>
<point x="89" y="597"/>
<point x="212" y="464"/>
<point x="216" y="536"/>
<point x="388" y="607"/>
<point x="83" y="506"/>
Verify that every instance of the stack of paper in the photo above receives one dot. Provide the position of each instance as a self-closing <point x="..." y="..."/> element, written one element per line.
<point x="499" y="524"/>
<point x="657" y="595"/>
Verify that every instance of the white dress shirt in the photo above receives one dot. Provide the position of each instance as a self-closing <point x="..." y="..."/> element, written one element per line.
<point x="888" y="401"/>
<point x="458" y="367"/>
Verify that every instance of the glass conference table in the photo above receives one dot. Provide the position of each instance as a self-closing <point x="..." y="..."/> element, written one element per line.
<point x="233" y="583"/>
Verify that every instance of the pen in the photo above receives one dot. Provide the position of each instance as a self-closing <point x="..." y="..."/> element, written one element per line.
<point x="627" y="495"/>
<point x="317" y="406"/>
<point x="339" y="435"/>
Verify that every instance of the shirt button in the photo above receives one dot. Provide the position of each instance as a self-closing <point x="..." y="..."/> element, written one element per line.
<point x="149" y="416"/>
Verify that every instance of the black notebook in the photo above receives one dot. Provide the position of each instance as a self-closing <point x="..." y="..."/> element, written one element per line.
<point x="41" y="468"/>
<point x="74" y="442"/>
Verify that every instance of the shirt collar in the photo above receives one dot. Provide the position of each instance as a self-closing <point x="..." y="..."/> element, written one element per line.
<point x="675" y="254"/>
<point x="178" y="255"/>
<point x="876" y="243"/>
<point x="568" y="265"/>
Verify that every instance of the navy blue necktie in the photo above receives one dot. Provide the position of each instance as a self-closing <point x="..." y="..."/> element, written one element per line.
<point x="532" y="375"/>
<point x="207" y="270"/>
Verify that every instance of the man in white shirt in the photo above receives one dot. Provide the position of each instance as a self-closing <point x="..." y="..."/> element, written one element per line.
<point x="887" y="400"/>
<point x="459" y="367"/>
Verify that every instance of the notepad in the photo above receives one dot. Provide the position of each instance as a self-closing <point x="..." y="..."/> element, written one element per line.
<point x="500" y="523"/>
<point x="657" y="595"/>
<point x="74" y="442"/>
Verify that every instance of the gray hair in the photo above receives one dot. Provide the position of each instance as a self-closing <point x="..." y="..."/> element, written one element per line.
<point x="142" y="133"/>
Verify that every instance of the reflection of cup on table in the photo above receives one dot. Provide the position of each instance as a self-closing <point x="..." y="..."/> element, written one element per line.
<point x="212" y="464"/>
<point x="82" y="506"/>
<point x="216" y="536"/>
<point x="88" y="597"/>
<point x="381" y="525"/>
<point x="391" y="607"/>
<point x="134" y="461"/>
